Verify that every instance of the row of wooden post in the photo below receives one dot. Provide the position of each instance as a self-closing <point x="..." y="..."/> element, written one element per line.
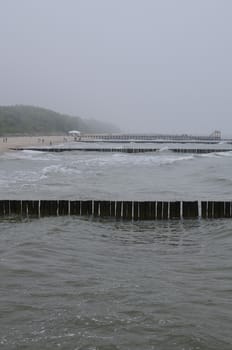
<point x="124" y="150"/>
<point x="199" y="150"/>
<point x="131" y="210"/>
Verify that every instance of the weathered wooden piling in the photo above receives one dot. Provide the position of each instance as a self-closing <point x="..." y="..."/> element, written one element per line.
<point x="219" y="210"/>
<point x="96" y="208"/>
<point x="210" y="209"/>
<point x="159" y="210"/>
<point x="152" y="210"/>
<point x="165" y="211"/>
<point x="105" y="209"/>
<point x="75" y="207"/>
<point x="142" y="210"/>
<point x="228" y="213"/>
<point x="204" y="210"/>
<point x="63" y="206"/>
<point x="29" y="208"/>
<point x="174" y="210"/>
<point x="190" y="210"/>
<point x="48" y="208"/>
<point x="119" y="206"/>
<point x="86" y="208"/>
<point x="5" y="207"/>
<point x="112" y="209"/>
<point x="136" y="210"/>
<point x="127" y="210"/>
<point x="2" y="208"/>
<point x="15" y="207"/>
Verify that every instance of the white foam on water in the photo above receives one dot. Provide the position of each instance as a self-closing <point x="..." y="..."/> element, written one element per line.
<point x="118" y="159"/>
<point x="164" y="149"/>
<point x="59" y="169"/>
<point x="28" y="155"/>
<point x="215" y="154"/>
<point x="224" y="154"/>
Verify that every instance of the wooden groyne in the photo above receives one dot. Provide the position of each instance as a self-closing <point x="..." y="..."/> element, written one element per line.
<point x="123" y="150"/>
<point x="129" y="210"/>
<point x="99" y="149"/>
<point x="199" y="150"/>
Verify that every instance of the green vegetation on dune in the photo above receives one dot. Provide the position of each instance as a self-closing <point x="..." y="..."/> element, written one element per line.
<point x="29" y="120"/>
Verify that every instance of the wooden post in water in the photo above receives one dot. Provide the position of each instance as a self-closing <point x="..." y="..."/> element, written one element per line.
<point x="152" y="210"/>
<point x="15" y="207"/>
<point x="210" y="209"/>
<point x="6" y="207"/>
<point x="30" y="208"/>
<point x="86" y="207"/>
<point x="219" y="210"/>
<point x="48" y="208"/>
<point x="159" y="210"/>
<point x="136" y="210"/>
<point x="25" y="209"/>
<point x="190" y="210"/>
<point x="105" y="208"/>
<point x="142" y="210"/>
<point x="127" y="210"/>
<point x="118" y="209"/>
<point x="174" y="210"/>
<point x="165" y="211"/>
<point x="2" y="212"/>
<point x="112" y="209"/>
<point x="228" y="210"/>
<point x="75" y="207"/>
<point x="63" y="207"/>
<point x="96" y="208"/>
<point x="204" y="210"/>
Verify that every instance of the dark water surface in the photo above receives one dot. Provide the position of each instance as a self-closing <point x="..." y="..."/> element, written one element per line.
<point x="83" y="283"/>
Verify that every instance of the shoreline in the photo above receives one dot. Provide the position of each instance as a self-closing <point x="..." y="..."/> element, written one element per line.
<point x="6" y="143"/>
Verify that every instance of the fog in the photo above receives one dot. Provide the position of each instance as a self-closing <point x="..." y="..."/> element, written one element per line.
<point x="145" y="65"/>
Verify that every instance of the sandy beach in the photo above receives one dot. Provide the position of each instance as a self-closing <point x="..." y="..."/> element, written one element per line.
<point x="29" y="141"/>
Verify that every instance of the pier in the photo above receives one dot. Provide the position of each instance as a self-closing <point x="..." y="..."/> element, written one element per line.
<point x="122" y="210"/>
<point x="214" y="137"/>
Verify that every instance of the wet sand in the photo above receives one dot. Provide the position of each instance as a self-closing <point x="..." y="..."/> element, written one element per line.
<point x="29" y="141"/>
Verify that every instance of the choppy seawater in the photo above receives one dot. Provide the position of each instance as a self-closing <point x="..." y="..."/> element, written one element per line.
<point x="84" y="283"/>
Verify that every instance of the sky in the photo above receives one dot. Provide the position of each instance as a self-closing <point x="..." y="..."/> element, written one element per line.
<point x="146" y="65"/>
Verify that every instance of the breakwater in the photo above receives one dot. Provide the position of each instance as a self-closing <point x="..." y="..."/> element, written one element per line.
<point x="129" y="210"/>
<point x="123" y="149"/>
<point x="96" y="149"/>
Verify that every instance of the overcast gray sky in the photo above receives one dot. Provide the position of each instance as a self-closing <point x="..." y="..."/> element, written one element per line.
<point x="146" y="65"/>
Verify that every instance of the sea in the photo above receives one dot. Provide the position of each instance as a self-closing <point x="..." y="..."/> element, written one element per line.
<point x="83" y="283"/>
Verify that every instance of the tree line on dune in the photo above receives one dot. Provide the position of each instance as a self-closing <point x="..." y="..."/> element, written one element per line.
<point x="29" y="120"/>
